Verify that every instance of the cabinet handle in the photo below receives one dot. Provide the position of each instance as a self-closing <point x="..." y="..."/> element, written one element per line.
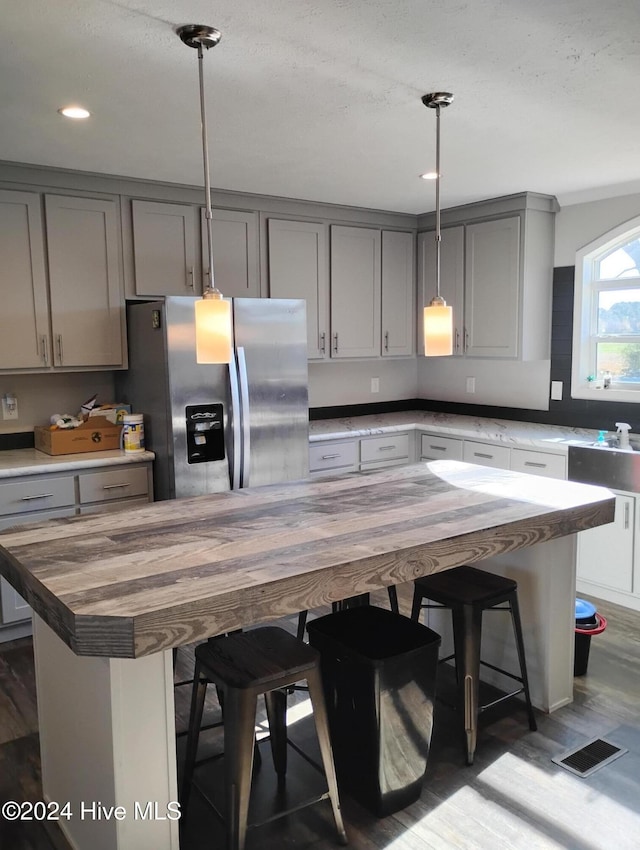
<point x="386" y="448"/>
<point x="47" y="496"/>
<point x="322" y="342"/>
<point x="59" y="345"/>
<point x="191" y="284"/>
<point x="438" y="448"/>
<point x="457" y="343"/>
<point x="626" y="515"/>
<point x="114" y="486"/>
<point x="330" y="457"/>
<point x="335" y="343"/>
<point x="386" y="340"/>
<point x="43" y="344"/>
<point x="482" y="454"/>
<point x="537" y="465"/>
<point x="466" y="339"/>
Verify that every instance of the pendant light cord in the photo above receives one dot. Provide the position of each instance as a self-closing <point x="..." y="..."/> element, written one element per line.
<point x="207" y="176"/>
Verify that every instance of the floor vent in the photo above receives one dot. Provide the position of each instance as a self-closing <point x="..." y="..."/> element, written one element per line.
<point x="585" y="760"/>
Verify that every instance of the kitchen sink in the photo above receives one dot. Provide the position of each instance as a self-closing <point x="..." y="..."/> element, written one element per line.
<point x="609" y="466"/>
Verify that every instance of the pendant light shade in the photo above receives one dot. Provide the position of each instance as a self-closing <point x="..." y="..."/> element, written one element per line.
<point x="438" y="318"/>
<point x="212" y="313"/>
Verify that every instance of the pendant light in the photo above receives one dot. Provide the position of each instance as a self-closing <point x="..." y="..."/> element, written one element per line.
<point x="212" y="313"/>
<point x="438" y="318"/>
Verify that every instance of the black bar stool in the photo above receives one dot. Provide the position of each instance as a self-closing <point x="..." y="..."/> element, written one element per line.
<point x="351" y="602"/>
<point x="244" y="665"/>
<point x="468" y="592"/>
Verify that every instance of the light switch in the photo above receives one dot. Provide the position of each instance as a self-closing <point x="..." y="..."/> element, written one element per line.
<point x="556" y="390"/>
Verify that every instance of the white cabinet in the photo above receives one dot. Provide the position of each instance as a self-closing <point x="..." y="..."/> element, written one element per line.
<point x="390" y="450"/>
<point x="486" y="454"/>
<point x="170" y="251"/>
<point x="164" y="248"/>
<point x="398" y="293"/>
<point x="355" y="291"/>
<point x="496" y="273"/>
<point x="606" y="553"/>
<point x="436" y="447"/>
<point x="338" y="455"/>
<point x="87" y="296"/>
<point x="79" y="321"/>
<point x="299" y="268"/>
<point x="539" y="463"/>
<point x="35" y="498"/>
<point x="235" y="253"/>
<point x="24" y="341"/>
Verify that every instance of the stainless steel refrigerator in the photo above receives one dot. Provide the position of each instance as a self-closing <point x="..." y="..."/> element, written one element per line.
<point x="215" y="428"/>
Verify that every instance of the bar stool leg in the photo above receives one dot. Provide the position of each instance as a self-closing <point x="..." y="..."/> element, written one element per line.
<point x="517" y="630"/>
<point x="467" y="629"/>
<point x="321" y="720"/>
<point x="393" y="598"/>
<point x="416" y="605"/>
<point x="239" y="730"/>
<point x="302" y="623"/>
<point x="198" y="694"/>
<point x="276" y="702"/>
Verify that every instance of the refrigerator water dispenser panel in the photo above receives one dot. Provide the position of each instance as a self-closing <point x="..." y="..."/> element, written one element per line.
<point x="205" y="433"/>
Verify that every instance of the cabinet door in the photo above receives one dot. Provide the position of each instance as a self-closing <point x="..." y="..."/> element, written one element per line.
<point x="451" y="278"/>
<point x="235" y="253"/>
<point x="87" y="295"/>
<point x="355" y="292"/>
<point x="298" y="268"/>
<point x="398" y="293"/>
<point x="435" y="447"/>
<point x="539" y="463"/>
<point x="13" y="608"/>
<point x="486" y="454"/>
<point x="605" y="554"/>
<point x="492" y="288"/>
<point x="164" y="248"/>
<point x="25" y="312"/>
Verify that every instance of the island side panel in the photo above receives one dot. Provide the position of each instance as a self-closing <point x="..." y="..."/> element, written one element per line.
<point x="107" y="736"/>
<point x="546" y="592"/>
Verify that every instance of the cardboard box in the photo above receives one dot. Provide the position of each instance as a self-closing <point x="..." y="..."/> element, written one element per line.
<point x="97" y="434"/>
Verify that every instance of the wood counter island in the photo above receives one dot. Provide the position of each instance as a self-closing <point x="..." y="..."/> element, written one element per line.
<point x="114" y="592"/>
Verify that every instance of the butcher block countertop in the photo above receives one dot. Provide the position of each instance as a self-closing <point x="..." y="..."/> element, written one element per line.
<point x="171" y="573"/>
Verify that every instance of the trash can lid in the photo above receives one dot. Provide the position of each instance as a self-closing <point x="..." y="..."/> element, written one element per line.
<point x="584" y="609"/>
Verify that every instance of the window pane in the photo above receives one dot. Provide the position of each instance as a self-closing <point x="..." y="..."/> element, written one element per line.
<point x="619" y="311"/>
<point x="621" y="359"/>
<point x="620" y="262"/>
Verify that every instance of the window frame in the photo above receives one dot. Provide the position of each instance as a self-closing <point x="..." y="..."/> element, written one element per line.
<point x="585" y="315"/>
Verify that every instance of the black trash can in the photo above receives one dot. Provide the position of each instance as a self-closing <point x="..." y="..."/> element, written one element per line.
<point x="588" y="623"/>
<point x="379" y="677"/>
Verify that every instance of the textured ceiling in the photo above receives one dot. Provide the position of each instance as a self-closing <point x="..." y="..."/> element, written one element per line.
<point x="321" y="100"/>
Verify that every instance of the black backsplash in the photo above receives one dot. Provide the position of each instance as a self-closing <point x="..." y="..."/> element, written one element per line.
<point x="579" y="413"/>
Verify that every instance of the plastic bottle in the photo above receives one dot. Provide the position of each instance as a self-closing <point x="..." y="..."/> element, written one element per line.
<point x="601" y="442"/>
<point x="623" y="436"/>
<point x="133" y="433"/>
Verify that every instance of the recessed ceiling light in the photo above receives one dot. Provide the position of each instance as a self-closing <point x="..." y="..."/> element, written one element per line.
<point x="430" y="175"/>
<point x="74" y="112"/>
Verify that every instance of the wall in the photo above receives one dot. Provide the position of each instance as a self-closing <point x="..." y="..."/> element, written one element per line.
<point x="579" y="224"/>
<point x="39" y="396"/>
<point x="341" y="382"/>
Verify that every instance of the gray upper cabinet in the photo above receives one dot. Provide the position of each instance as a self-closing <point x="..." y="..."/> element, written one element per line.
<point x="398" y="293"/>
<point x="235" y="253"/>
<point x="87" y="298"/>
<point x="79" y="322"/>
<point x="298" y="268"/>
<point x="164" y="248"/>
<point x="24" y="341"/>
<point x="496" y="273"/>
<point x="355" y="291"/>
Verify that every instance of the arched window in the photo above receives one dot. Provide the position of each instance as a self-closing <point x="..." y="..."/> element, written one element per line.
<point x="606" y="322"/>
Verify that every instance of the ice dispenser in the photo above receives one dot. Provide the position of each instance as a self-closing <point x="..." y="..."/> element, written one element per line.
<point x="205" y="433"/>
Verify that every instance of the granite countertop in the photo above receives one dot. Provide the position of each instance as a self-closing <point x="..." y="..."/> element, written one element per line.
<point x="15" y="462"/>
<point x="181" y="571"/>
<point x="552" y="438"/>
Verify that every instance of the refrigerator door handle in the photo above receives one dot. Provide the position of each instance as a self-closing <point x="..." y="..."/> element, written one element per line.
<point x="246" y="424"/>
<point x="237" y="426"/>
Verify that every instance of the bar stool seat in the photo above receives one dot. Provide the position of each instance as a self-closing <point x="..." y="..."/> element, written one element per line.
<point x="468" y="591"/>
<point x="351" y="602"/>
<point x="244" y="665"/>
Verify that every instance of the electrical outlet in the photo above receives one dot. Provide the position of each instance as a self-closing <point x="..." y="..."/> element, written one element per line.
<point x="556" y="390"/>
<point x="471" y="385"/>
<point x="375" y="385"/>
<point x="9" y="406"/>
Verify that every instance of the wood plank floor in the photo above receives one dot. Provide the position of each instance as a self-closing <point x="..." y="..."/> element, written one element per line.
<point x="513" y="797"/>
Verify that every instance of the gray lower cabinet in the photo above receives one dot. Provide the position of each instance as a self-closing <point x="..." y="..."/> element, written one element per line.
<point x="36" y="498"/>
